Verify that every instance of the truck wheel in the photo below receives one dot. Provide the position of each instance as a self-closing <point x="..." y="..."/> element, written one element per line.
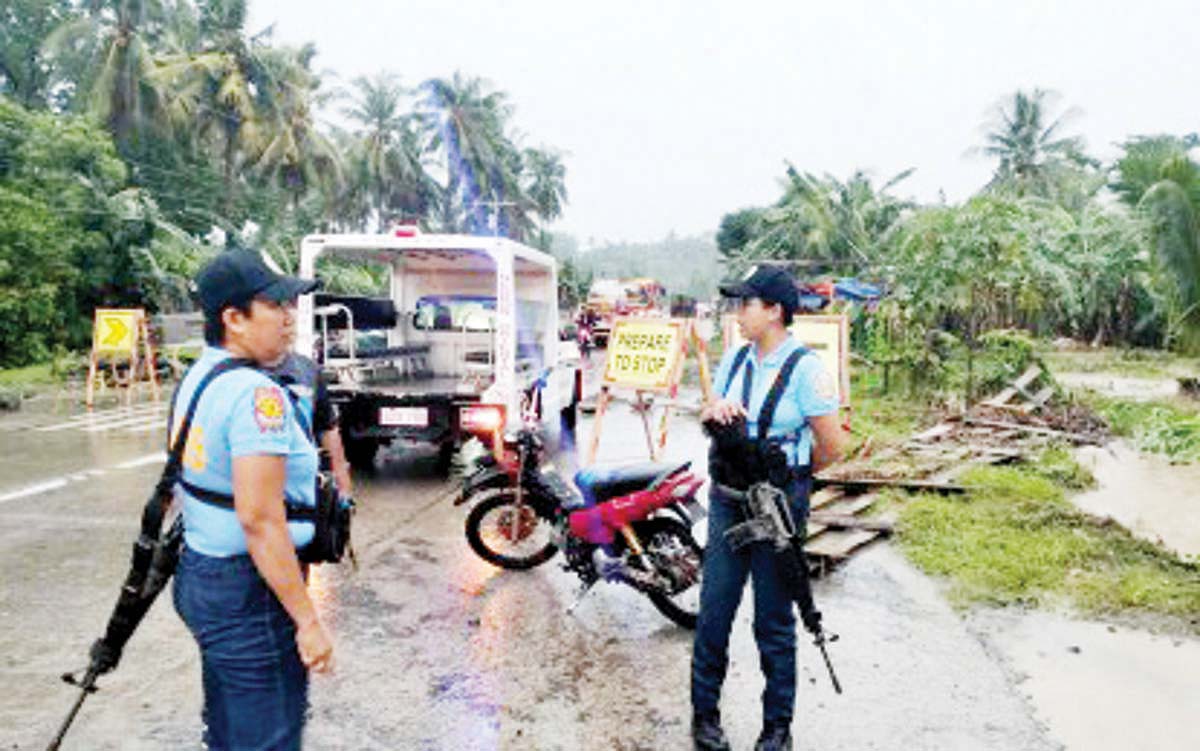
<point x="361" y="453"/>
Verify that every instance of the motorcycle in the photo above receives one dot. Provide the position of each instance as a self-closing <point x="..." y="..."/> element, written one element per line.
<point x="630" y="525"/>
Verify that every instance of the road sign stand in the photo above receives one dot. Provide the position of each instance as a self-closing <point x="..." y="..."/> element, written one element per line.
<point x="645" y="356"/>
<point x="117" y="334"/>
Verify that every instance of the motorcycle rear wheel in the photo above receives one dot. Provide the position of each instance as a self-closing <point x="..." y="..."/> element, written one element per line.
<point x="665" y="538"/>
<point x="489" y="531"/>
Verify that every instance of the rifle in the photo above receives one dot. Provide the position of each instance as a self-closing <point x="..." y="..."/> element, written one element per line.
<point x="153" y="561"/>
<point x="769" y="520"/>
<point x="155" y="556"/>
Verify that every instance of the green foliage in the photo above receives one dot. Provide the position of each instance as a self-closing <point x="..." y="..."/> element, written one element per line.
<point x="842" y="225"/>
<point x="25" y="73"/>
<point x="1014" y="539"/>
<point x="1155" y="426"/>
<point x="1156" y="175"/>
<point x="68" y="232"/>
<point x="1035" y="158"/>
<point x="1001" y="262"/>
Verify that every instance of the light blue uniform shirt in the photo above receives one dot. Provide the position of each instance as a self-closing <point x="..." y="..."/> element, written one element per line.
<point x="809" y="393"/>
<point x="241" y="413"/>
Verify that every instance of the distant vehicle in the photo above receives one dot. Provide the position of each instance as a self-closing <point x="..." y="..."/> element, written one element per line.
<point x="468" y="324"/>
<point x="610" y="298"/>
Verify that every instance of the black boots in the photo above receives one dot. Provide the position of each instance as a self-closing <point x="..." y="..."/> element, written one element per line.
<point x="707" y="734"/>
<point x="775" y="736"/>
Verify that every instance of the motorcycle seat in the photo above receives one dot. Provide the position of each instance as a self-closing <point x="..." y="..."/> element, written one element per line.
<point x="599" y="484"/>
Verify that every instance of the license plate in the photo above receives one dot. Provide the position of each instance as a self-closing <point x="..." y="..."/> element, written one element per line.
<point x="405" y="417"/>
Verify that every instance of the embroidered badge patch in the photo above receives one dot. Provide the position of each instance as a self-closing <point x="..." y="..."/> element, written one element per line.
<point x="824" y="385"/>
<point x="268" y="409"/>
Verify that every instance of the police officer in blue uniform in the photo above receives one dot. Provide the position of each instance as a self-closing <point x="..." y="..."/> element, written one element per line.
<point x="302" y="377"/>
<point x="805" y="424"/>
<point x="240" y="587"/>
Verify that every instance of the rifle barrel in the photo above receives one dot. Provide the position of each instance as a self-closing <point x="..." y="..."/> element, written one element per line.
<point x="837" y="686"/>
<point x="86" y="686"/>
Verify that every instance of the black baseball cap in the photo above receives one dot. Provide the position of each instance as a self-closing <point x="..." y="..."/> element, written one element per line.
<point x="771" y="284"/>
<point x="238" y="275"/>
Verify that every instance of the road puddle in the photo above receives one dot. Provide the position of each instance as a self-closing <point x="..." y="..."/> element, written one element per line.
<point x="1125" y="387"/>
<point x="1146" y="494"/>
<point x="1100" y="687"/>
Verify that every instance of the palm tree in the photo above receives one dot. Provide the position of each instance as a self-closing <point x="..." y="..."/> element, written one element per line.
<point x="844" y="224"/>
<point x="292" y="150"/>
<point x="388" y="149"/>
<point x="466" y="121"/>
<point x="1024" y="135"/>
<point x="26" y="75"/>
<point x="545" y="182"/>
<point x="1158" y="177"/>
<point x="117" y="84"/>
<point x="220" y="89"/>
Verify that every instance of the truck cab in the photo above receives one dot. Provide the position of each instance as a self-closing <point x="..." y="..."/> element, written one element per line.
<point x="467" y="322"/>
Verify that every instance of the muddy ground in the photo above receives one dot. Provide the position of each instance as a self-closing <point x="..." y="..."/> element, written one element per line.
<point x="439" y="650"/>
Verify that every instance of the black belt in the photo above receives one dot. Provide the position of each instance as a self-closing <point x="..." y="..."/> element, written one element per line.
<point x="295" y="512"/>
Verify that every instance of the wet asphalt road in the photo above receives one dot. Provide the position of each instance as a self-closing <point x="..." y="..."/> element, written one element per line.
<point x="437" y="649"/>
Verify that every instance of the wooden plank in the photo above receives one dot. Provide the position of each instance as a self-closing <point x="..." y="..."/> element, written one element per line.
<point x="937" y="431"/>
<point x="814" y="528"/>
<point x="1001" y="398"/>
<point x="839" y="544"/>
<point x="828" y="521"/>
<point x="849" y="506"/>
<point x="1028" y="377"/>
<point x="1067" y="436"/>
<point x="902" y="483"/>
<point x="1043" y="396"/>
<point x="824" y="497"/>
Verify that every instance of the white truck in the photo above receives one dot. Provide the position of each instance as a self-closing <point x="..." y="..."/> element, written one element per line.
<point x="467" y="324"/>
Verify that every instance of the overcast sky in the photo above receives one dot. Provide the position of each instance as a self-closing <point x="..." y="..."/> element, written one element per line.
<point x="671" y="113"/>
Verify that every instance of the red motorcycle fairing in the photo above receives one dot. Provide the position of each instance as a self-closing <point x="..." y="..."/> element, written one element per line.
<point x="598" y="525"/>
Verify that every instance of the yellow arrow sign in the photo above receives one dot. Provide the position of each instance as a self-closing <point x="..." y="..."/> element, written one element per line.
<point x="115" y="331"/>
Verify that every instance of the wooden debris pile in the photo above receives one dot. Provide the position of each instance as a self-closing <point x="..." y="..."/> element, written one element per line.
<point x="1020" y="420"/>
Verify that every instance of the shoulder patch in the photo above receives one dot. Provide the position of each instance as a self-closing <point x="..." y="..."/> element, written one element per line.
<point x="823" y="385"/>
<point x="269" y="410"/>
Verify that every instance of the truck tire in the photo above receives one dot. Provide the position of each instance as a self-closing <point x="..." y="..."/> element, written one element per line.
<point x="361" y="453"/>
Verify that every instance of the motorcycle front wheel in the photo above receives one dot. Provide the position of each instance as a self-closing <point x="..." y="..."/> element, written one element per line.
<point x="502" y="535"/>
<point x="673" y="550"/>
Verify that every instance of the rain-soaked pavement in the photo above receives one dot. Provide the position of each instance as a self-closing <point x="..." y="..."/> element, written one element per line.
<point x="438" y="650"/>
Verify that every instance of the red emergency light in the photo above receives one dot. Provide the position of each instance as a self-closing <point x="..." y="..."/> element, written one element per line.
<point x="407" y="230"/>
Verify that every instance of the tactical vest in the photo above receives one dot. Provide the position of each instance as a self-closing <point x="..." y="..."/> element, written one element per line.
<point x="735" y="459"/>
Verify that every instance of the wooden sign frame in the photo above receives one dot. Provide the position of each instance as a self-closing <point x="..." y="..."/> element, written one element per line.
<point x="138" y="357"/>
<point x="668" y="383"/>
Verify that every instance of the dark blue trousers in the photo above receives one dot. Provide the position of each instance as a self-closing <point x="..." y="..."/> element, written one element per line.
<point x="725" y="574"/>
<point x="255" y="687"/>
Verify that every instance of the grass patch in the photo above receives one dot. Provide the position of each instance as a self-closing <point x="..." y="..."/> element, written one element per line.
<point x="1015" y="539"/>
<point x="28" y="377"/>
<point x="1170" y="428"/>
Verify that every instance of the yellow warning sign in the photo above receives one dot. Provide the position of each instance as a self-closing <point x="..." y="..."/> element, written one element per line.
<point x="115" y="331"/>
<point x="828" y="336"/>
<point x="644" y="354"/>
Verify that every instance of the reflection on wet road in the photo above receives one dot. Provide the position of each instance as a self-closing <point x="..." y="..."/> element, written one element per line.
<point x="437" y="649"/>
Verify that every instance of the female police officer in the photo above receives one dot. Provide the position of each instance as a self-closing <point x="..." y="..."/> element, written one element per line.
<point x="805" y="418"/>
<point x="239" y="586"/>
